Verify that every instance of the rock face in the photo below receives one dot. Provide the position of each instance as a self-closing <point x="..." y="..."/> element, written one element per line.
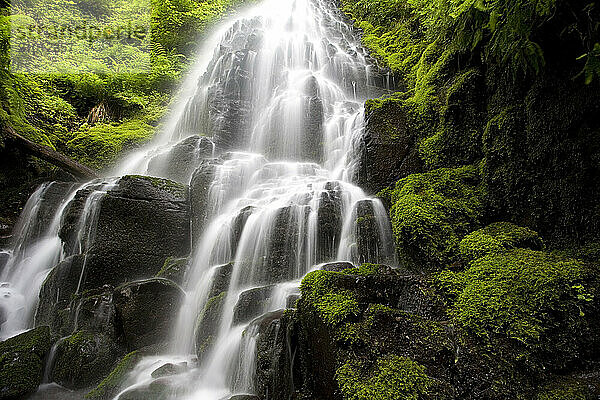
<point x="139" y="223"/>
<point x="22" y="363"/>
<point x="251" y="303"/>
<point x="207" y="325"/>
<point x="147" y="310"/>
<point x="179" y="163"/>
<point x="389" y="149"/>
<point x="84" y="359"/>
<point x="199" y="195"/>
<point x="329" y="222"/>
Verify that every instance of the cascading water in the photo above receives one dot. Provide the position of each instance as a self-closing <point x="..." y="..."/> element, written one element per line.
<point x="280" y="91"/>
<point x="287" y="82"/>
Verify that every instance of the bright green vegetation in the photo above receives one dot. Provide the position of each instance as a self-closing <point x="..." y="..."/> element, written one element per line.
<point x="496" y="238"/>
<point x="537" y="300"/>
<point x="432" y="212"/>
<point x="333" y="305"/>
<point x="508" y="86"/>
<point x="95" y="116"/>
<point x="393" y="378"/>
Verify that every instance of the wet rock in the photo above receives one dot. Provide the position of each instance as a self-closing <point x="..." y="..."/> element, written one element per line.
<point x="367" y="233"/>
<point x="238" y="227"/>
<point x="329" y="223"/>
<point x="56" y="296"/>
<point x="221" y="279"/>
<point x="291" y="300"/>
<point x="244" y="397"/>
<point x="174" y="269"/>
<point x="282" y="254"/>
<point x="4" y="256"/>
<point x="22" y="363"/>
<point x="337" y="266"/>
<point x="388" y="150"/>
<point x="179" y="162"/>
<point x="159" y="389"/>
<point x="252" y="303"/>
<point x="84" y="359"/>
<point x="95" y="312"/>
<point x="277" y="367"/>
<point x="169" y="369"/>
<point x="139" y="224"/>
<point x="147" y="310"/>
<point x="199" y="195"/>
<point x="112" y="384"/>
<point x="51" y="199"/>
<point x="207" y="325"/>
<point x="313" y="123"/>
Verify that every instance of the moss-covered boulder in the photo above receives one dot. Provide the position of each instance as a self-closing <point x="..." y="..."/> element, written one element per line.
<point x="498" y="237"/>
<point x="22" y="360"/>
<point x="359" y="324"/>
<point x="537" y="309"/>
<point x="432" y="212"/>
<point x="147" y="310"/>
<point x="84" y="359"/>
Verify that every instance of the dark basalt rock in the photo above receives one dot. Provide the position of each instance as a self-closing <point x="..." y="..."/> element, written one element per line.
<point x="174" y="269"/>
<point x="84" y="359"/>
<point x="147" y="310"/>
<point x="244" y="397"/>
<point x="238" y="227"/>
<point x="221" y="279"/>
<point x="179" y="163"/>
<point x="329" y="223"/>
<point x="207" y="325"/>
<point x="199" y="195"/>
<point x="367" y="233"/>
<point x="22" y="363"/>
<point x="337" y="266"/>
<point x="277" y="367"/>
<point x="251" y="303"/>
<point x="56" y="305"/>
<point x="282" y="252"/>
<point x="127" y="244"/>
<point x="4" y="257"/>
<point x="388" y="150"/>
<point x="51" y="199"/>
<point x="169" y="369"/>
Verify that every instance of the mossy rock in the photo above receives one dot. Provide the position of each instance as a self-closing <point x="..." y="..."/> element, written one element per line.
<point x="22" y="360"/>
<point x="83" y="359"/>
<point x="111" y="385"/>
<point x="542" y="306"/>
<point x="499" y="237"/>
<point x="391" y="378"/>
<point x="432" y="212"/>
<point x="207" y="325"/>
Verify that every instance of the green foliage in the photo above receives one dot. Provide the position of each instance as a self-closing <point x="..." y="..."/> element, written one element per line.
<point x="537" y="300"/>
<point x="432" y="212"/>
<point x="391" y="378"/>
<point x="497" y="238"/>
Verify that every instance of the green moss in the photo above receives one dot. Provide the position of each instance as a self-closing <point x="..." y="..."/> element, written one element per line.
<point x="22" y="362"/>
<point x="498" y="237"/>
<point x="101" y="144"/>
<point x="334" y="305"/>
<point x="536" y="300"/>
<point x="391" y="378"/>
<point x="175" y="188"/>
<point x="174" y="269"/>
<point x="111" y="385"/>
<point x="564" y="389"/>
<point x="432" y="212"/>
<point x="365" y="269"/>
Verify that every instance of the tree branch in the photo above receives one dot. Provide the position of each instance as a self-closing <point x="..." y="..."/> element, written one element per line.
<point x="47" y="154"/>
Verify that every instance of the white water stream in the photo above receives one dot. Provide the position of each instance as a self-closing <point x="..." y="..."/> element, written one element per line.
<point x="280" y="89"/>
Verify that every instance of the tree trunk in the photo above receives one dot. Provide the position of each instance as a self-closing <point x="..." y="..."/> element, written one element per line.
<point x="47" y="154"/>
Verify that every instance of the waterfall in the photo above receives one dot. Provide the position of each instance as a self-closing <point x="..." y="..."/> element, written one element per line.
<point x="277" y="98"/>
